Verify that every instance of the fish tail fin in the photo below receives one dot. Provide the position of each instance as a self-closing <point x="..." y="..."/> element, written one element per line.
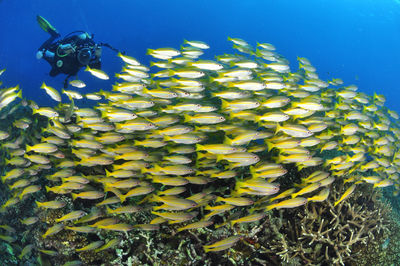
<point x="143" y="170"/>
<point x="224" y="104"/>
<point x="220" y="157"/>
<point x="278" y="128"/>
<point x="199" y="147"/>
<point x="300" y="166"/>
<point x="157" y="168"/>
<point x="237" y="192"/>
<point x="200" y="155"/>
<point x="145" y="90"/>
<point x="270" y="145"/>
<point x="107" y="173"/>
<point x="19" y="94"/>
<point x="28" y="148"/>
<point x="171" y="72"/>
<point x="107" y="188"/>
<point x="227" y="140"/>
<point x="186" y="118"/>
<point x="122" y="198"/>
<point x="155" y="198"/>
<point x="219" y="199"/>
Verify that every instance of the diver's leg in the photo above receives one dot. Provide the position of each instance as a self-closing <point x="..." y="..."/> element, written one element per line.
<point x="54" y="72"/>
<point x="66" y="81"/>
<point x="46" y="26"/>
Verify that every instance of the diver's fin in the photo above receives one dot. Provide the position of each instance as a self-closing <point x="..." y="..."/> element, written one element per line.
<point x="46" y="26"/>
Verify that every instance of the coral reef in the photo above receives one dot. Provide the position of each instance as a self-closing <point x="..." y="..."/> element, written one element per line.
<point x="320" y="233"/>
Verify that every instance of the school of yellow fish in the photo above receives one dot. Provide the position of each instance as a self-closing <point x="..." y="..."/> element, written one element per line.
<point x="192" y="134"/>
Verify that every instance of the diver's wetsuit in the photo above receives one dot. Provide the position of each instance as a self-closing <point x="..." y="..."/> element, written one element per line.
<point x="82" y="51"/>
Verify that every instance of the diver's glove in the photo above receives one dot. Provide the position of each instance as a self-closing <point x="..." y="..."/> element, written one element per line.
<point x="44" y="53"/>
<point x="39" y="55"/>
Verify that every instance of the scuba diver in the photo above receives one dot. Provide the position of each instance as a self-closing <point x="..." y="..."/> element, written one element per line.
<point x="70" y="54"/>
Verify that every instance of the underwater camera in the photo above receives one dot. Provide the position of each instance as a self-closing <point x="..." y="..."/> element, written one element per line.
<point x="84" y="56"/>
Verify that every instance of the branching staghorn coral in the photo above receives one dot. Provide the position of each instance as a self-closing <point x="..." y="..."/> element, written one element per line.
<point x="322" y="233"/>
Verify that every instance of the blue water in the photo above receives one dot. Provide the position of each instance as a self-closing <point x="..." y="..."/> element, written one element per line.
<point x="357" y="40"/>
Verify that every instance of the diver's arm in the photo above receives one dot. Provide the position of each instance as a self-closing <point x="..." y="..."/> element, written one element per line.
<point x="45" y="54"/>
<point x="47" y="49"/>
<point x="48" y="43"/>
